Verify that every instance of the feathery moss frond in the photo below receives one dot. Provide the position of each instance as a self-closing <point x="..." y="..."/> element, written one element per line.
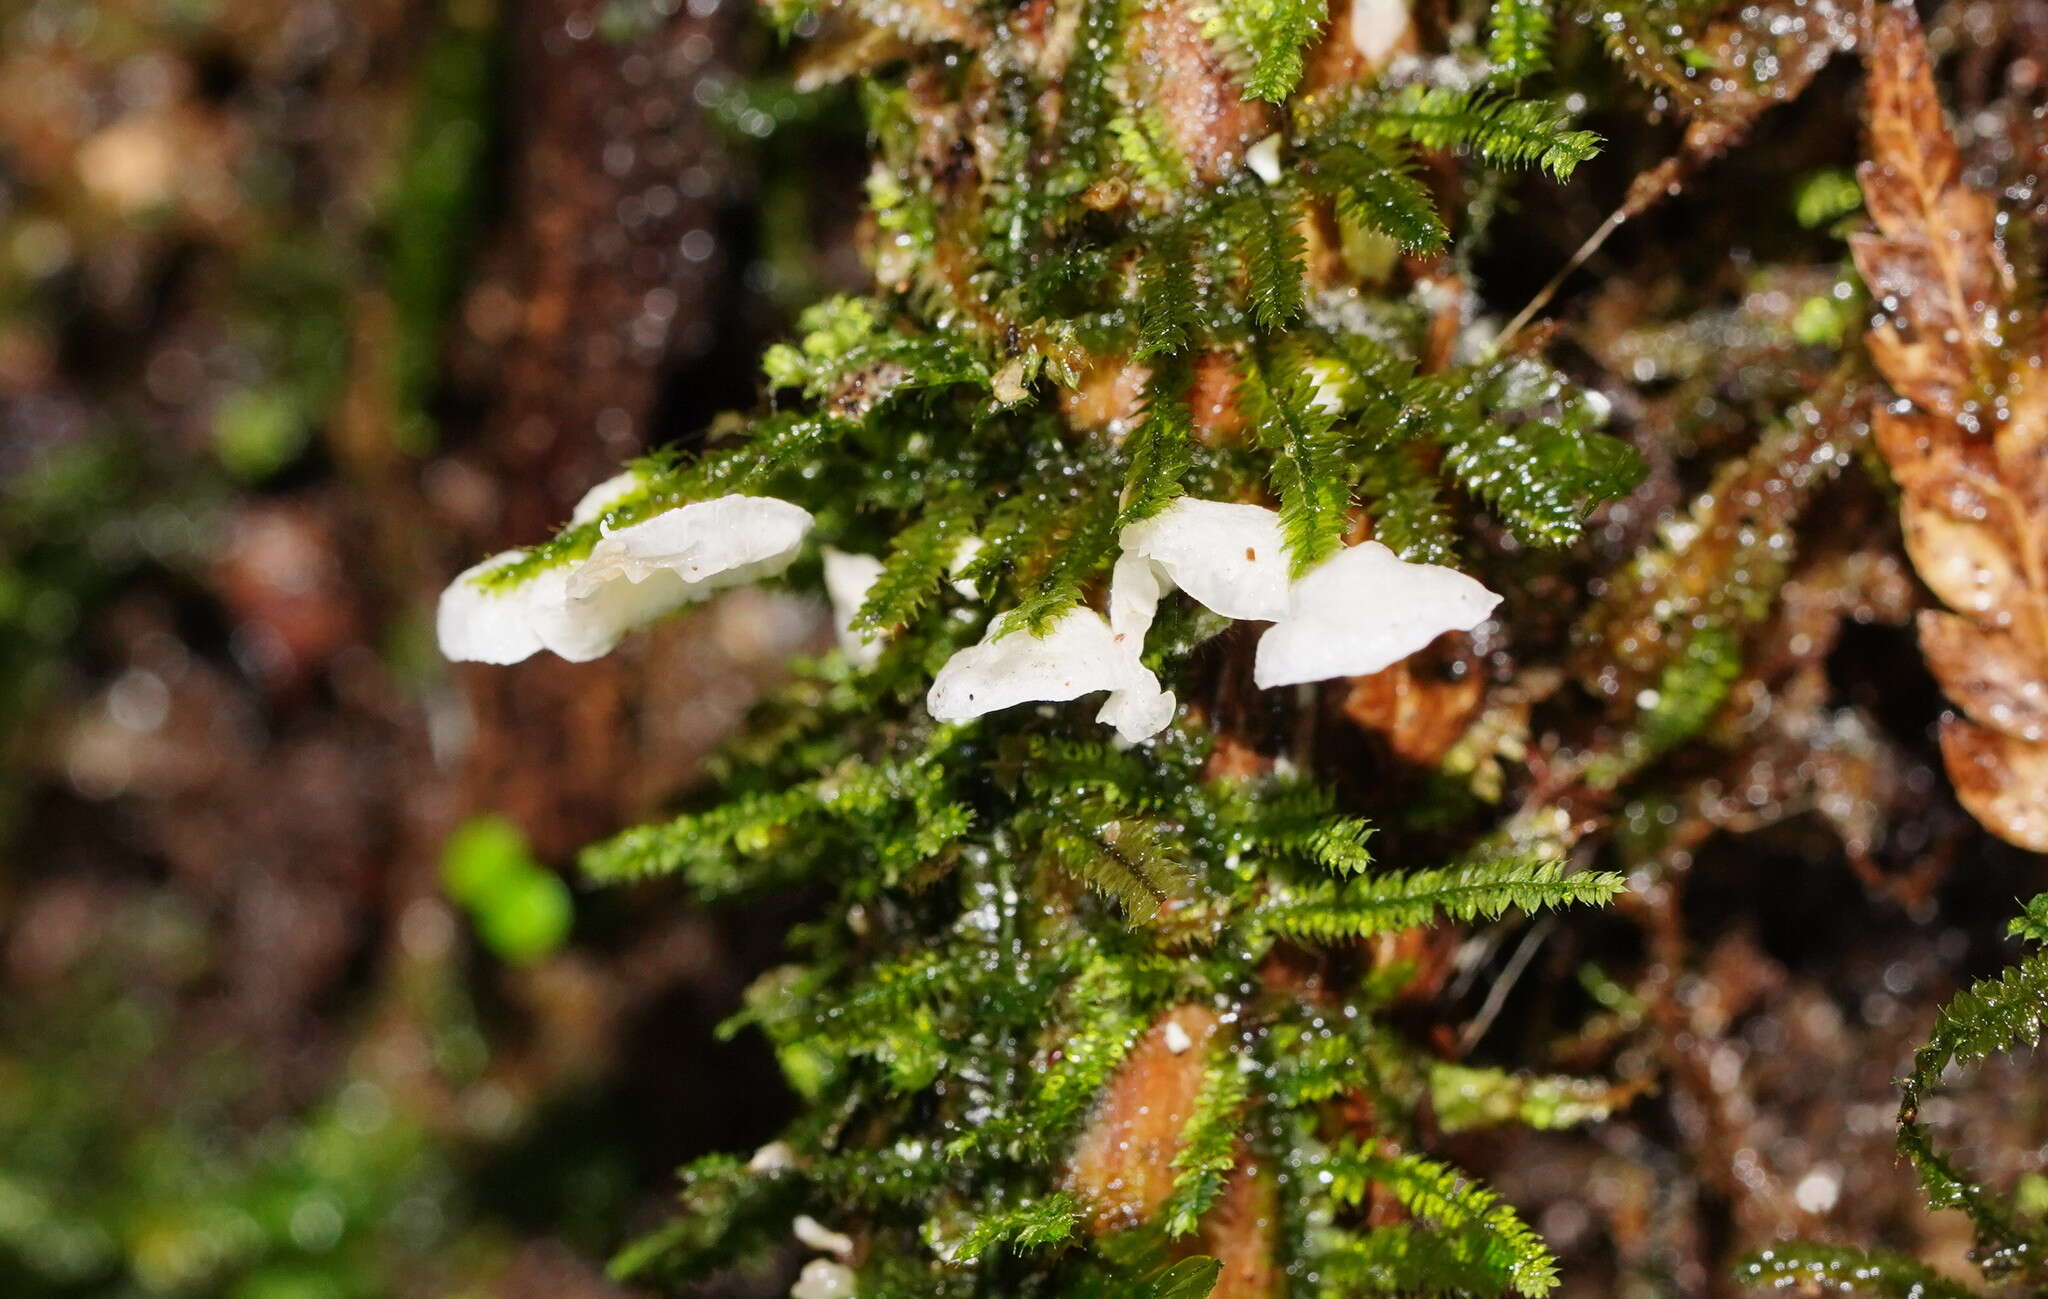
<point x="1504" y="132"/>
<point x="1169" y="309"/>
<point x="1374" y="186"/>
<point x="1380" y="904"/>
<point x="1161" y="447"/>
<point x="1208" y="1142"/>
<point x="1270" y="35"/>
<point x="919" y="557"/>
<point x="1130" y="860"/>
<point x="1810" y="1267"/>
<point x="1307" y="473"/>
<point x="1408" y="516"/>
<point x="2032" y="924"/>
<point x="1992" y="1015"/>
<point x="1518" y="38"/>
<point x="1031" y="1225"/>
<point x="1471" y="1227"/>
<point x="1269" y="252"/>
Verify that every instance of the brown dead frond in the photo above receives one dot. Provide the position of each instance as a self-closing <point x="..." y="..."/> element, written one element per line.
<point x="1968" y="442"/>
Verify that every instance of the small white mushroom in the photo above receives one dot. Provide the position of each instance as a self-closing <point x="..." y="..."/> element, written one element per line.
<point x="824" y="1279"/>
<point x="1177" y="1039"/>
<point x="1377" y="27"/>
<point x="481" y="624"/>
<point x="605" y="495"/>
<point x="1230" y="558"/>
<point x="848" y="579"/>
<point x="772" y="1158"/>
<point x="816" y="1235"/>
<point x="632" y="577"/>
<point x="1264" y="159"/>
<point x="700" y="548"/>
<point x="1078" y="655"/>
<point x="1364" y="609"/>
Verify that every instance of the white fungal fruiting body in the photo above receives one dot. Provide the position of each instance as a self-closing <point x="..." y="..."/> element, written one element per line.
<point x="1359" y="611"/>
<point x="701" y="548"/>
<point x="848" y="579"/>
<point x="816" y="1235"/>
<point x="1078" y="655"/>
<point x="1230" y="558"/>
<point x="1177" y="1039"/>
<point x="824" y="1279"/>
<point x="1377" y="27"/>
<point x="1362" y="610"/>
<point x="1264" y="159"/>
<point x="605" y="495"/>
<point x="480" y="624"/>
<point x="633" y="576"/>
<point x="956" y="567"/>
<point x="773" y="1158"/>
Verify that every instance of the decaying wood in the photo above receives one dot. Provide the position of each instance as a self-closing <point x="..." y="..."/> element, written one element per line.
<point x="1966" y="440"/>
<point x="1123" y="1163"/>
<point x="1180" y="73"/>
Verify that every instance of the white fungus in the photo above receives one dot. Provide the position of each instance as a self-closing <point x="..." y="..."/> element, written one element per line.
<point x="1230" y="558"/>
<point x="605" y="495"/>
<point x="633" y="576"/>
<point x="848" y="579"/>
<point x="773" y="1158"/>
<point x="1078" y="655"/>
<point x="1264" y="159"/>
<point x="1177" y="1039"/>
<point x="956" y="567"/>
<point x="697" y="549"/>
<point x="481" y="624"/>
<point x="816" y="1235"/>
<point x="1377" y="27"/>
<point x="1362" y="610"/>
<point x="823" y="1279"/>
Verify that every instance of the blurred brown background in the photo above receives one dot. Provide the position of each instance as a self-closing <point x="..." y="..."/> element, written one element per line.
<point x="304" y="306"/>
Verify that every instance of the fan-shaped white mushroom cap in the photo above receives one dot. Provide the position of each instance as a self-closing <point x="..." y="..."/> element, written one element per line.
<point x="632" y="577"/>
<point x="703" y="547"/>
<point x="848" y="579"/>
<point x="1231" y="558"/>
<point x="1078" y="655"/>
<point x="1377" y="27"/>
<point x="1364" y="609"/>
<point x="605" y="495"/>
<point x="480" y="624"/>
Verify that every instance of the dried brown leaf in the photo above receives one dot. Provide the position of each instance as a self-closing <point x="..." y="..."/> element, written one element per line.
<point x="1966" y="563"/>
<point x="2021" y="443"/>
<point x="2002" y="781"/>
<point x="1989" y="674"/>
<point x="1935" y="263"/>
<point x="1969" y="455"/>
